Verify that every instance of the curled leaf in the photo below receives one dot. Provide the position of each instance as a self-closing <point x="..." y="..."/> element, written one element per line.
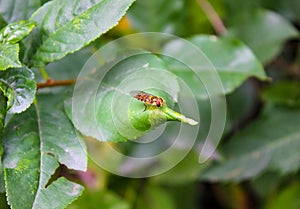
<point x="15" y="32"/>
<point x="19" y="87"/>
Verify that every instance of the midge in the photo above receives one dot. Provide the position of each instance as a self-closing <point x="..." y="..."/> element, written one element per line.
<point x="148" y="99"/>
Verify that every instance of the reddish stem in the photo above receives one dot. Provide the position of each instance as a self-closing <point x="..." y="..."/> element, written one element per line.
<point x="213" y="16"/>
<point x="51" y="83"/>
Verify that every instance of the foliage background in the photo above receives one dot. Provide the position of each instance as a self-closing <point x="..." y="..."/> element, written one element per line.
<point x="257" y="163"/>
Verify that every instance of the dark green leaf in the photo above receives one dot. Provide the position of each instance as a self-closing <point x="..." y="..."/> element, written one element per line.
<point x="14" y="10"/>
<point x="264" y="31"/>
<point x="19" y="87"/>
<point x="35" y="142"/>
<point x="116" y="115"/>
<point x="65" y="27"/>
<point x="9" y="56"/>
<point x="16" y="31"/>
<point x="269" y="143"/>
<point x="233" y="61"/>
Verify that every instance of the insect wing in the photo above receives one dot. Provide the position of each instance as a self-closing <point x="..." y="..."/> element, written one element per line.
<point x="135" y="93"/>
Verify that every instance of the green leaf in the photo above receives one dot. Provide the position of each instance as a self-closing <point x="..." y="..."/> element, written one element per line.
<point x="9" y="36"/>
<point x="14" y="10"/>
<point x="19" y="87"/>
<point x="263" y="31"/>
<point x="9" y="56"/>
<point x="270" y="143"/>
<point x="100" y="199"/>
<point x="16" y="31"/>
<point x="233" y="61"/>
<point x="116" y="115"/>
<point x="36" y="142"/>
<point x="65" y="27"/>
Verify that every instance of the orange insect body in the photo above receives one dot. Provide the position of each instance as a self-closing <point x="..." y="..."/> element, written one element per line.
<point x="149" y="99"/>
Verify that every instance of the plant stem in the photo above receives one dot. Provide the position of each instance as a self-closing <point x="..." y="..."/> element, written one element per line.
<point x="51" y="83"/>
<point x="173" y="115"/>
<point x="44" y="73"/>
<point x="213" y="16"/>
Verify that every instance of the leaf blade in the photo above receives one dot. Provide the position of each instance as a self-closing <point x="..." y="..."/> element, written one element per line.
<point x="267" y="144"/>
<point x="19" y="87"/>
<point x="75" y="32"/>
<point x="34" y="147"/>
<point x="9" y="56"/>
<point x="232" y="60"/>
<point x="263" y="31"/>
<point x="15" y="32"/>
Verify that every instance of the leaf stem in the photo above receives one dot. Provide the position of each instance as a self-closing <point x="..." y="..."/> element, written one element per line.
<point x="44" y="73"/>
<point x="213" y="16"/>
<point x="52" y="83"/>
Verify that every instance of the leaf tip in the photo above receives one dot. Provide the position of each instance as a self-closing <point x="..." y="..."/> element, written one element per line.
<point x="190" y="121"/>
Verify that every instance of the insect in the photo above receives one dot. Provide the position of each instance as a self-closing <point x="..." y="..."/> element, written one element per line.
<point x="148" y="99"/>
